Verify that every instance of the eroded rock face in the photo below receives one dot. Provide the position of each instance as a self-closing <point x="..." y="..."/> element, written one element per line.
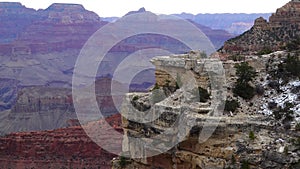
<point x="283" y="27"/>
<point x="246" y="139"/>
<point x="57" y="28"/>
<point x="14" y="19"/>
<point x="46" y="108"/>
<point x="39" y="108"/>
<point x="61" y="148"/>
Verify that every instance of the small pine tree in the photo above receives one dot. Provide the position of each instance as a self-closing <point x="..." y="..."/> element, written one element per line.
<point x="245" y="165"/>
<point x="233" y="160"/>
<point x="245" y="74"/>
<point x="122" y="162"/>
<point x="204" y="95"/>
<point x="231" y="105"/>
<point x="251" y="135"/>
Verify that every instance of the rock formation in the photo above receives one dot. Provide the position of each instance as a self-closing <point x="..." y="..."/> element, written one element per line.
<point x="234" y="23"/>
<point x="282" y="28"/>
<point x="57" y="28"/>
<point x="44" y="108"/>
<point x="231" y="144"/>
<point x="55" y="149"/>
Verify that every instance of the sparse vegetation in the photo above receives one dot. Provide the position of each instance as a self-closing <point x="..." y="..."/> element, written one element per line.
<point x="122" y="162"/>
<point x="251" y="135"/>
<point x="167" y="83"/>
<point x="293" y="45"/>
<point x="135" y="98"/>
<point x="297" y="142"/>
<point x="265" y="51"/>
<point x="236" y="57"/>
<point x="259" y="90"/>
<point x="233" y="160"/>
<point x="292" y="66"/>
<point x="231" y="105"/>
<point x="245" y="165"/>
<point x="284" y="113"/>
<point x="178" y="81"/>
<point x="297" y="127"/>
<point x="286" y="150"/>
<point x="203" y="94"/>
<point x="289" y="68"/>
<point x="156" y="86"/>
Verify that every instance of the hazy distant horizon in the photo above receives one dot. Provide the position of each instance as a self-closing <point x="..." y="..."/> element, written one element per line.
<point x="118" y="8"/>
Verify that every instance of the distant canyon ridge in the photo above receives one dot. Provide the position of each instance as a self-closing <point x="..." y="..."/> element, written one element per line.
<point x="39" y="48"/>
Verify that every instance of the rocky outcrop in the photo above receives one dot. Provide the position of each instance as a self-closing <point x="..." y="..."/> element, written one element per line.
<point x="55" y="149"/>
<point x="244" y="139"/>
<point x="282" y="28"/>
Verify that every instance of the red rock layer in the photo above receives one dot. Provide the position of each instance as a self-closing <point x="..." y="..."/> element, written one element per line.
<point x="61" y="148"/>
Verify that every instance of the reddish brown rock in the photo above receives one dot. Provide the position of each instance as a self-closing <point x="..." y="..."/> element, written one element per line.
<point x="61" y="148"/>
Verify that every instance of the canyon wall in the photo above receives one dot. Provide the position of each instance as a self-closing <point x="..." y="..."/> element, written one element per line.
<point x="282" y="28"/>
<point x="56" y="149"/>
<point x="179" y="114"/>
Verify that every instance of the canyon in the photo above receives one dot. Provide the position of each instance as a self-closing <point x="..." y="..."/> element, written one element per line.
<point x="39" y="127"/>
<point x="68" y="147"/>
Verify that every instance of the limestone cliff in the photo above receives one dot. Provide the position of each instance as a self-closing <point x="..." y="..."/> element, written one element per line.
<point x="39" y="108"/>
<point x="245" y="138"/>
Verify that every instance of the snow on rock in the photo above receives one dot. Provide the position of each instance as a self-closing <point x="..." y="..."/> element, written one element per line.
<point x="280" y="98"/>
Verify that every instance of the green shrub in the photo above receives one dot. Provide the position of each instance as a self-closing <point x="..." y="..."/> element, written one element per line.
<point x="203" y="94"/>
<point x="156" y="86"/>
<point x="233" y="160"/>
<point x="284" y="113"/>
<point x="260" y="90"/>
<point x="297" y="142"/>
<point x="122" y="162"/>
<point x="289" y="68"/>
<point x="286" y="150"/>
<point x="244" y="90"/>
<point x="297" y="127"/>
<point x="292" y="65"/>
<point x="135" y="98"/>
<point x="236" y="57"/>
<point x="231" y="105"/>
<point x="245" y="74"/>
<point x="245" y="165"/>
<point x="265" y="51"/>
<point x="251" y="135"/>
<point x="293" y="45"/>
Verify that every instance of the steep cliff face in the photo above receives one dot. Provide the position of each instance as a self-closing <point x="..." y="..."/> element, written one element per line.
<point x="247" y="138"/>
<point x="55" y="149"/>
<point x="39" y="108"/>
<point x="43" y="108"/>
<point x="14" y="19"/>
<point x="282" y="28"/>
